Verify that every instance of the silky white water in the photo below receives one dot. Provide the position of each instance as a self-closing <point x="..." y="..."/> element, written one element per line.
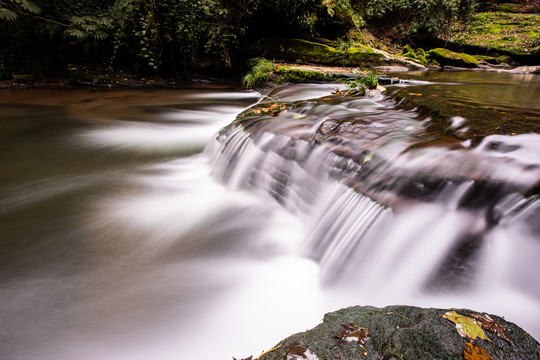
<point x="127" y="233"/>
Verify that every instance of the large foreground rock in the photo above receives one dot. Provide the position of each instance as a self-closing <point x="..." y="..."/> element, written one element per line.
<point x="403" y="332"/>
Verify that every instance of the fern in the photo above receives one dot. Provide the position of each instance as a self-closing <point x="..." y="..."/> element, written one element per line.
<point x="7" y="15"/>
<point x="77" y="33"/>
<point x="29" y="6"/>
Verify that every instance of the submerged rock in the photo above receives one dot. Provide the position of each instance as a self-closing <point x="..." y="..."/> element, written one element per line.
<point x="405" y="332"/>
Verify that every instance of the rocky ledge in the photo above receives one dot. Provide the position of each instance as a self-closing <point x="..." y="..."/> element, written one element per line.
<point x="407" y="332"/>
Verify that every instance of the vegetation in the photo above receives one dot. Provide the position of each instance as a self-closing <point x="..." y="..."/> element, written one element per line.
<point x="173" y="35"/>
<point x="260" y="72"/>
<point x="359" y="86"/>
<point x="418" y="54"/>
<point x="447" y="57"/>
<point x="519" y="33"/>
<point x="412" y="19"/>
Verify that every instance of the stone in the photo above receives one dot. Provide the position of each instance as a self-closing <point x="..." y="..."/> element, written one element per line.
<point x="527" y="69"/>
<point x="449" y="58"/>
<point x="404" y="332"/>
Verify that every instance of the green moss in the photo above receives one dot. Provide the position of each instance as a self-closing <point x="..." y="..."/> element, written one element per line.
<point x="296" y="49"/>
<point x="447" y="57"/>
<point x="519" y="33"/>
<point x="407" y="49"/>
<point x="507" y="8"/>
<point x="360" y="49"/>
<point x="418" y="55"/>
<point x="504" y="59"/>
<point x="286" y="73"/>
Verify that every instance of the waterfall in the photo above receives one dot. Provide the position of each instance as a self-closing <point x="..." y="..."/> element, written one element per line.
<point x="425" y="224"/>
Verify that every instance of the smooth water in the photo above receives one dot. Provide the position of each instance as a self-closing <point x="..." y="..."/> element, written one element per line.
<point x="127" y="231"/>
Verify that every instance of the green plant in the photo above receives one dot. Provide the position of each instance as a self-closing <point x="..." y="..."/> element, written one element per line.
<point x="354" y="87"/>
<point x="371" y="80"/>
<point x="260" y="72"/>
<point x="418" y="18"/>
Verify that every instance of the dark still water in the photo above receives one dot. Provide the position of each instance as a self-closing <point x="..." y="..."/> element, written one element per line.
<point x="129" y="229"/>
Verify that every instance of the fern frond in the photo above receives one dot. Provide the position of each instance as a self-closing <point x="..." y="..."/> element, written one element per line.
<point x="29" y="6"/>
<point x="7" y="15"/>
<point x="100" y="35"/>
<point x="77" y="33"/>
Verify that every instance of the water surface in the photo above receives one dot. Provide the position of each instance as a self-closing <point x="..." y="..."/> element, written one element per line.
<point x="127" y="232"/>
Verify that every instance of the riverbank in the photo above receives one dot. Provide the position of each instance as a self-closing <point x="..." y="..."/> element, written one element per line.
<point x="102" y="78"/>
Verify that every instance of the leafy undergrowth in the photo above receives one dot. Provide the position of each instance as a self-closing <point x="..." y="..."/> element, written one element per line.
<point x="519" y="33"/>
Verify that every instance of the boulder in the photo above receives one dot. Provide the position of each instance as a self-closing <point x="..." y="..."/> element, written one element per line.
<point x="405" y="332"/>
<point x="449" y="58"/>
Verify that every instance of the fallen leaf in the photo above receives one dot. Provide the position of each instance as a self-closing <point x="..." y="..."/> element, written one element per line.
<point x="296" y="351"/>
<point x="466" y="327"/>
<point x="475" y="352"/>
<point x="353" y="333"/>
<point x="491" y="325"/>
<point x="349" y="326"/>
<point x="359" y="336"/>
<point x="367" y="158"/>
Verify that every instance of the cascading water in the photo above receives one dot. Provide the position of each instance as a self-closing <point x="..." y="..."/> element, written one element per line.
<point x="422" y="226"/>
<point x="124" y="239"/>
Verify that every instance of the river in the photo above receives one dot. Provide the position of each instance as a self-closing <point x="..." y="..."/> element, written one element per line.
<point x="139" y="224"/>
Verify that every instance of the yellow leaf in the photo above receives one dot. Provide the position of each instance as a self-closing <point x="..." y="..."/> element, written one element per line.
<point x="367" y="158"/>
<point x="466" y="326"/>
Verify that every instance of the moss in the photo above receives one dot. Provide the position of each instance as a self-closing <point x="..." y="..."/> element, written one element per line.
<point x="447" y="57"/>
<point x="296" y="49"/>
<point x="360" y="49"/>
<point x="504" y="59"/>
<point x="407" y="49"/>
<point x="519" y="33"/>
<point x="286" y="73"/>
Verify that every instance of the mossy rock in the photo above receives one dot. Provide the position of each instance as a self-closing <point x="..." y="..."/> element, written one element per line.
<point x="504" y="59"/>
<point x="404" y="332"/>
<point x="446" y="57"/>
<point x="287" y="74"/>
<point x="489" y="59"/>
<point x="298" y="50"/>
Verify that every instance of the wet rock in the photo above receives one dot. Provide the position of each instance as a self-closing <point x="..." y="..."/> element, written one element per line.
<point x="527" y="70"/>
<point x="404" y="332"/>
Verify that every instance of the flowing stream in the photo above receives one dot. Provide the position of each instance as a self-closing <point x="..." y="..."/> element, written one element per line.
<point x="147" y="225"/>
